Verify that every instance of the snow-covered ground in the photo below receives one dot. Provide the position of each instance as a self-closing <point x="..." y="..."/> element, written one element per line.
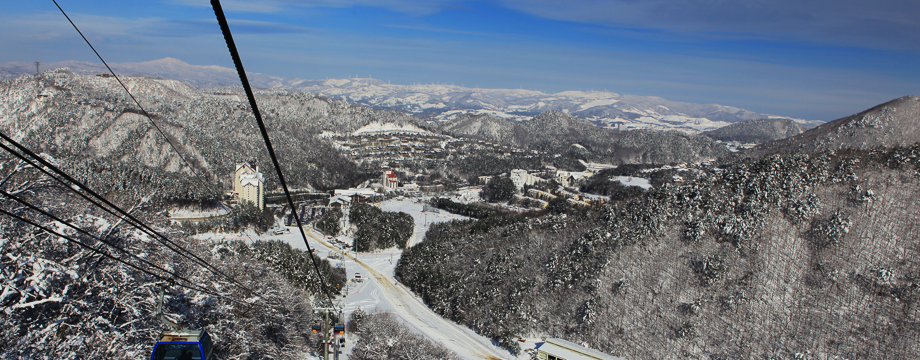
<point x="193" y="213"/>
<point x="422" y="218"/>
<point x="381" y="291"/>
<point x="633" y="181"/>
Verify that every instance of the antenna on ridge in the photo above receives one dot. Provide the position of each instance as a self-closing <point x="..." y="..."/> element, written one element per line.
<point x="37" y="74"/>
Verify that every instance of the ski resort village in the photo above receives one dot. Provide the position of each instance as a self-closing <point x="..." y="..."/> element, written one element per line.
<point x="363" y="231"/>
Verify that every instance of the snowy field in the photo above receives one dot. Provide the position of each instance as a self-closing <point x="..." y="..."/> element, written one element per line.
<point x="381" y="291"/>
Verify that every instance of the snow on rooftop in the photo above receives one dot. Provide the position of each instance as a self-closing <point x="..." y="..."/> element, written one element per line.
<point x="251" y="179"/>
<point x="633" y="181"/>
<point x="572" y="351"/>
<point x="350" y="192"/>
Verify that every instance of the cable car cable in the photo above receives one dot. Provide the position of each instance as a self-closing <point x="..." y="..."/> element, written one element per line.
<point x="162" y="239"/>
<point x="125" y="216"/>
<point x="225" y="29"/>
<point x="81" y="244"/>
<point x="87" y="233"/>
<point x="133" y="222"/>
<point x="137" y="223"/>
<point x="173" y="146"/>
<point x="109" y="234"/>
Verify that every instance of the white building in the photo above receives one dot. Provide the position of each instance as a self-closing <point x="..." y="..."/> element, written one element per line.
<point x="521" y="178"/>
<point x="558" y="349"/>
<point x="248" y="184"/>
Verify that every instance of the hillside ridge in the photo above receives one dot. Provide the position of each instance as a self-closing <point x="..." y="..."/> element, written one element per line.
<point x="893" y="123"/>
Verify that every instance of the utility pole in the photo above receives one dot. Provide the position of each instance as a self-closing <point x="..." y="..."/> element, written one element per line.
<point x="327" y="331"/>
<point x="36" y="67"/>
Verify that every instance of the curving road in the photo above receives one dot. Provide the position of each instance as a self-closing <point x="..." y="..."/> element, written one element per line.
<point x="416" y="314"/>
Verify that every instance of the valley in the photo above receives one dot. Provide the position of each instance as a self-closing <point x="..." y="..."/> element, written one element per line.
<point x="483" y="230"/>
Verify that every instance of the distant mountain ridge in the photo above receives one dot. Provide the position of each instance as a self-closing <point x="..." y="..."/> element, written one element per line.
<point x="756" y="131"/>
<point x="557" y="132"/>
<point x="446" y="102"/>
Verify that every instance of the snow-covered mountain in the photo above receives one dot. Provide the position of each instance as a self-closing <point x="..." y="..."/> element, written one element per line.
<point x="449" y="102"/>
<point x="892" y="124"/>
<point x="604" y="109"/>
<point x="90" y="121"/>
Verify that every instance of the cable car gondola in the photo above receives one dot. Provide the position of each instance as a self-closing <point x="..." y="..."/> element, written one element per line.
<point x="180" y="343"/>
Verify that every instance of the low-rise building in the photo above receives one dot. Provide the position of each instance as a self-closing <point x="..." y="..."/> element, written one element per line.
<point x="539" y="194"/>
<point x="356" y="195"/>
<point x="572" y="178"/>
<point x="558" y="349"/>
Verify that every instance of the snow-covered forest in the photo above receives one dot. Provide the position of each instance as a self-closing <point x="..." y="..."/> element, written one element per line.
<point x="382" y="336"/>
<point x="62" y="300"/>
<point x="377" y="230"/>
<point x="556" y="132"/>
<point x="789" y="256"/>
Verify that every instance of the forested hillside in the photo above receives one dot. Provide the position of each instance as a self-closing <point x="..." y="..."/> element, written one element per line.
<point x="756" y="131"/>
<point x="894" y="123"/>
<point x="789" y="256"/>
<point x="90" y="124"/>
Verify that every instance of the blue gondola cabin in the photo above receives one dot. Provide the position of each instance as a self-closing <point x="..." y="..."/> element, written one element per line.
<point x="183" y="344"/>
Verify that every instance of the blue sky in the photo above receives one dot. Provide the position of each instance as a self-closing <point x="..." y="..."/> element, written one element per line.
<point x="814" y="59"/>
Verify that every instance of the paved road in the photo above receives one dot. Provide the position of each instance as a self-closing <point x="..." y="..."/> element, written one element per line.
<point x="416" y="314"/>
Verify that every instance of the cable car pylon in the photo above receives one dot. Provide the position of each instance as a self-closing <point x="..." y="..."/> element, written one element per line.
<point x="333" y="335"/>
